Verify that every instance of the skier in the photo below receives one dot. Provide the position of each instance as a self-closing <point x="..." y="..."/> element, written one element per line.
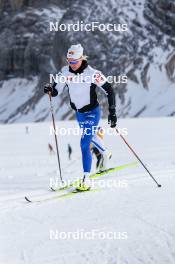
<point x="27" y="130"/>
<point x="50" y="148"/>
<point x="69" y="151"/>
<point x="83" y="99"/>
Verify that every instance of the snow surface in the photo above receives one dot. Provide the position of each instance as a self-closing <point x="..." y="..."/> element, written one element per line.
<point x="144" y="212"/>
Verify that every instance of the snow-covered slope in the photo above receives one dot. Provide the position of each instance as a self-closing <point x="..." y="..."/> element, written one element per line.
<point x="140" y="212"/>
<point x="158" y="100"/>
<point x="23" y="90"/>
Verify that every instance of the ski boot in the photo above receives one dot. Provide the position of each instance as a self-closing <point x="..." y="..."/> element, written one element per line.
<point x="84" y="185"/>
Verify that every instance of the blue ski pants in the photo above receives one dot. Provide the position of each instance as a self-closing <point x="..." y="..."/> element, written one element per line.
<point x="88" y="123"/>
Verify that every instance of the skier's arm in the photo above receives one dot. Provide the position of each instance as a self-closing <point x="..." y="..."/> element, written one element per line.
<point x="111" y="96"/>
<point x="101" y="81"/>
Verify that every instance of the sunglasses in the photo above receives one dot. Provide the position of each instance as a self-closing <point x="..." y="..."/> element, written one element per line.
<point x="73" y="61"/>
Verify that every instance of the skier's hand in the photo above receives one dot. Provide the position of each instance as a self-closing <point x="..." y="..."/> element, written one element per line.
<point x="112" y="119"/>
<point x="48" y="88"/>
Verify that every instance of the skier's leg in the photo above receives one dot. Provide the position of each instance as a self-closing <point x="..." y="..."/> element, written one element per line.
<point x="88" y="121"/>
<point x="99" y="158"/>
<point x="106" y="155"/>
<point x="98" y="143"/>
<point x="90" y="124"/>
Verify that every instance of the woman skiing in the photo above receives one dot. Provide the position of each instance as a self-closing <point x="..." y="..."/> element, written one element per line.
<point x="83" y="99"/>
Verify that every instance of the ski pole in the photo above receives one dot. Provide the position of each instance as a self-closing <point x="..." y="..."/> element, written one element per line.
<point x="56" y="141"/>
<point x="158" y="185"/>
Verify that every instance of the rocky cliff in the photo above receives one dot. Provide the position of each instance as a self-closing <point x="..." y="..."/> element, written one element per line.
<point x="29" y="52"/>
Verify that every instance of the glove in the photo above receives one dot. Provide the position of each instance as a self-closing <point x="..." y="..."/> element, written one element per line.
<point x="48" y="88"/>
<point x="112" y="119"/>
